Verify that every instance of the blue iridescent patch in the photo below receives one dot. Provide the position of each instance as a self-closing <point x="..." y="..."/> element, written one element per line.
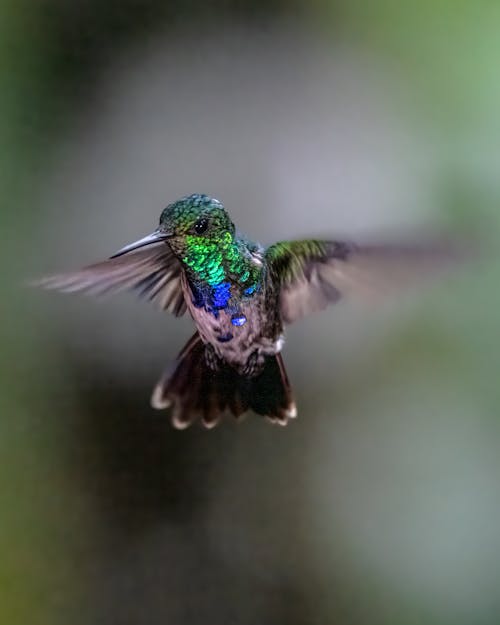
<point x="250" y="290"/>
<point x="221" y="294"/>
<point x="212" y="299"/>
<point x="238" y="320"/>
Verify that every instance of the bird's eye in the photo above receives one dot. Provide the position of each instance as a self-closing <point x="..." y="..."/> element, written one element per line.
<point x="201" y="225"/>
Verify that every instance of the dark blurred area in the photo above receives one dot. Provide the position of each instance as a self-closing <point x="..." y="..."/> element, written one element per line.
<point x="380" y="504"/>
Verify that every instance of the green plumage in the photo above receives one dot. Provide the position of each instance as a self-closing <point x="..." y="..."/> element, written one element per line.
<point x="219" y="259"/>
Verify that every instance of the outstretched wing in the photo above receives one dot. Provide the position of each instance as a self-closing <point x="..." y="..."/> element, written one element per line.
<point x="153" y="273"/>
<point x="312" y="274"/>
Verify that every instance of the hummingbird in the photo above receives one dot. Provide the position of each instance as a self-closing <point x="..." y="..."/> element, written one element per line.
<point x="240" y="296"/>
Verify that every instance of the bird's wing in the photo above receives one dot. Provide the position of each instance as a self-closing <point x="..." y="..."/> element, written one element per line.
<point x="153" y="273"/>
<point x="312" y="274"/>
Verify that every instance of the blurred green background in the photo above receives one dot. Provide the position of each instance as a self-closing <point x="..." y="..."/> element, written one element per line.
<point x="381" y="503"/>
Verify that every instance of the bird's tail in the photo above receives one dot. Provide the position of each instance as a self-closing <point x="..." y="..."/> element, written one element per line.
<point x="195" y="390"/>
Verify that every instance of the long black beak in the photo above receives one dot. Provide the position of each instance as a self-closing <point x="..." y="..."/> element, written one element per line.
<point x="154" y="237"/>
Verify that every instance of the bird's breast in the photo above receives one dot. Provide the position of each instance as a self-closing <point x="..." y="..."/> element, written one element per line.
<point x="244" y="326"/>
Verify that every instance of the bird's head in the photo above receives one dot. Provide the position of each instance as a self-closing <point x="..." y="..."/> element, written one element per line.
<point x="194" y="220"/>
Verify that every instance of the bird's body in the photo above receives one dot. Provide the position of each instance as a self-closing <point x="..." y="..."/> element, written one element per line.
<point x="232" y="301"/>
<point x="240" y="296"/>
<point x="242" y="333"/>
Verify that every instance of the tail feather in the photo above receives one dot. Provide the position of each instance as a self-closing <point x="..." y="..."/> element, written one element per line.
<point x="194" y="390"/>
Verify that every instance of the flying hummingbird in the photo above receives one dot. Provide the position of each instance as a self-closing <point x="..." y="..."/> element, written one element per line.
<point x="240" y="297"/>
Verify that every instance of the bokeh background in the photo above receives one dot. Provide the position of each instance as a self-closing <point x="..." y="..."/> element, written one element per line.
<point x="381" y="503"/>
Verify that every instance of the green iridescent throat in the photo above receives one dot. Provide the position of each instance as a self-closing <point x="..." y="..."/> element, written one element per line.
<point x="219" y="259"/>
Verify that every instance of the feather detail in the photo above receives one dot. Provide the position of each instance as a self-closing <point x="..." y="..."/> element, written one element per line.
<point x="198" y="388"/>
<point x="312" y="274"/>
<point x="152" y="273"/>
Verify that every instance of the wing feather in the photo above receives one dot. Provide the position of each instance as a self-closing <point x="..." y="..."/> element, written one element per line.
<point x="153" y="273"/>
<point x="312" y="274"/>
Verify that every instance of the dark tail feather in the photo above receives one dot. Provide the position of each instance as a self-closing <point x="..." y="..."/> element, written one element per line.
<point x="194" y="390"/>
